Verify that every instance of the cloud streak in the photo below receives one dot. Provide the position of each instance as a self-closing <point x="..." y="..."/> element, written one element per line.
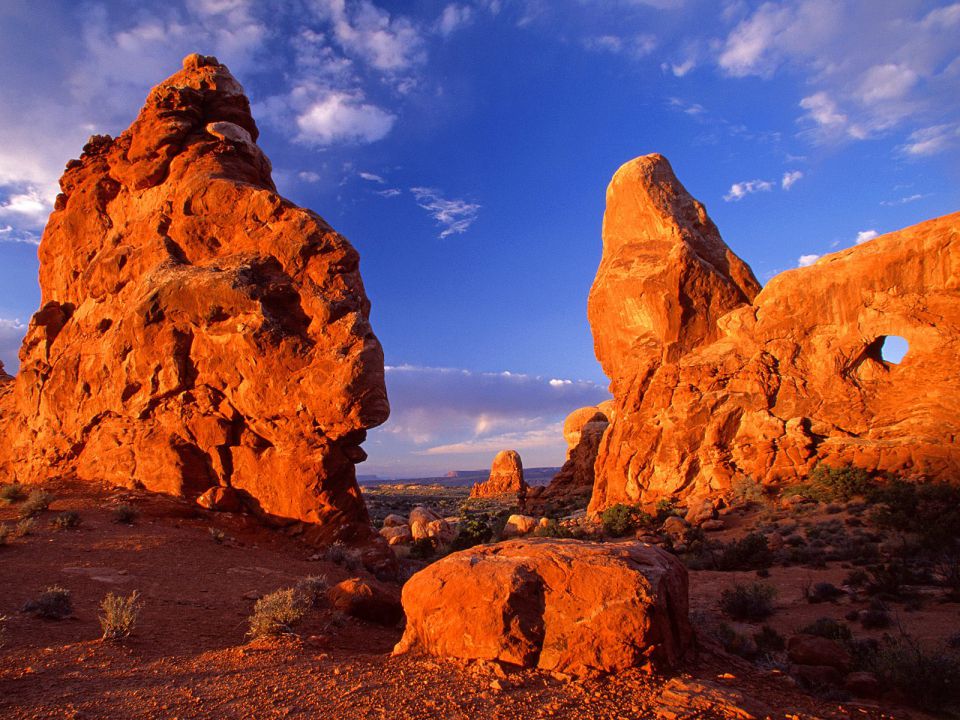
<point x="454" y="216"/>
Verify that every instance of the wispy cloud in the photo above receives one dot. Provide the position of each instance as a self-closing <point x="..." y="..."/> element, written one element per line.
<point x="865" y="235"/>
<point x="903" y="200"/>
<point x="454" y="216"/>
<point x="790" y="178"/>
<point x="390" y="192"/>
<point x="931" y="140"/>
<point x="634" y="46"/>
<point x="371" y="177"/>
<point x="454" y="17"/>
<point x="807" y="260"/>
<point x="740" y="190"/>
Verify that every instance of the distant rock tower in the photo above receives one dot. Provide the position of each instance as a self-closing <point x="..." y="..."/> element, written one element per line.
<point x="506" y="478"/>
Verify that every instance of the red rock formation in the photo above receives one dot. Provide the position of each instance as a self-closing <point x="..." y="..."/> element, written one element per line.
<point x="712" y="379"/>
<point x="196" y="329"/>
<point x="506" y="477"/>
<point x="572" y="485"/>
<point x="560" y="605"/>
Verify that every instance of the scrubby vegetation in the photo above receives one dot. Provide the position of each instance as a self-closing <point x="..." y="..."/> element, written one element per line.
<point x="312" y="590"/>
<point x="828" y="628"/>
<point x="54" y="603"/>
<point x="125" y="514"/>
<point x="37" y="502"/>
<point x="620" y="519"/>
<point x="930" y="678"/>
<point x="118" y="615"/>
<point x="66" y="520"/>
<point x="12" y="493"/>
<point x="471" y="532"/>
<point x="277" y="613"/>
<point x="750" y="603"/>
<point x="830" y="484"/>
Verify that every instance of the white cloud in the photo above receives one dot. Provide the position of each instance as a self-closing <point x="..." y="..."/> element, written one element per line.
<point x="865" y="235"/>
<point x="455" y="216"/>
<point x="391" y="44"/>
<point x="343" y="117"/>
<point x="903" y="200"/>
<point x="895" y="69"/>
<point x="740" y="190"/>
<point x="28" y="208"/>
<point x="390" y="192"/>
<point x="681" y="69"/>
<point x="931" y="140"/>
<point x="635" y="46"/>
<point x="790" y="178"/>
<point x="309" y="176"/>
<point x="807" y="260"/>
<point x="454" y="17"/>
<point x="452" y="407"/>
<point x="544" y="437"/>
<point x="11" y="336"/>
<point x="371" y="177"/>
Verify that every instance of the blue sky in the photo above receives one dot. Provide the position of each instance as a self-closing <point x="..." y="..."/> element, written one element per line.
<point x="465" y="148"/>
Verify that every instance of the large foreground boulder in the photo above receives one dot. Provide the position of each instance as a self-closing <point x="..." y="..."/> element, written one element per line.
<point x="196" y="329"/>
<point x="713" y="378"/>
<point x="560" y="605"/>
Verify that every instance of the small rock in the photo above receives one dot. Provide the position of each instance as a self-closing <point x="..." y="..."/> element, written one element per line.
<point x="812" y="650"/>
<point x="519" y="525"/>
<point x="862" y="684"/>
<point x="713" y="525"/>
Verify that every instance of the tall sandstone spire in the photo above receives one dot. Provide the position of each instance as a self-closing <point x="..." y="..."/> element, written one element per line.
<point x="713" y="378"/>
<point x="196" y="329"/>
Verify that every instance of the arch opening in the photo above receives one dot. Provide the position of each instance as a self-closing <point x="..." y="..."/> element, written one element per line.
<point x="893" y="348"/>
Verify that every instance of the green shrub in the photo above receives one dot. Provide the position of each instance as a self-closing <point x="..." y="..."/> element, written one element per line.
<point x="217" y="535"/>
<point x="747" y="491"/>
<point x="828" y="628"/>
<point x="36" y="503"/>
<point x="66" y="520"/>
<point x="876" y="616"/>
<point x="620" y="519"/>
<point x="750" y="603"/>
<point x="54" y="603"/>
<point x="125" y="513"/>
<point x="12" y="493"/>
<point x="277" y="613"/>
<point x="25" y="527"/>
<point x="666" y="507"/>
<point x="930" y="510"/>
<point x="118" y="615"/>
<point x="769" y="641"/>
<point x="750" y="552"/>
<point x="822" y="592"/>
<point x="830" y="484"/>
<point x="5" y="533"/>
<point x="471" y="532"/>
<point x="929" y="679"/>
<point x="422" y="548"/>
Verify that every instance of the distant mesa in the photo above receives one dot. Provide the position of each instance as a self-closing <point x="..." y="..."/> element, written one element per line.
<point x="196" y="329"/>
<point x="714" y="378"/>
<point x="506" y="477"/>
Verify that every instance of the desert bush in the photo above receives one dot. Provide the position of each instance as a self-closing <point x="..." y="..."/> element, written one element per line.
<point x="857" y="578"/>
<point x="929" y="510"/>
<point x="769" y="641"/>
<point x="118" y="615"/>
<point x="665" y="507"/>
<point x="748" y="553"/>
<point x="747" y="491"/>
<point x="737" y="643"/>
<point x="37" y="502"/>
<point x="54" y="603"/>
<point x="750" y="603"/>
<point x="876" y="616"/>
<point x="821" y="592"/>
<point x="830" y="484"/>
<point x="423" y="548"/>
<point x="5" y="533"/>
<point x="620" y="519"/>
<point x="471" y="532"/>
<point x="12" y="493"/>
<point x="66" y="520"/>
<point x="217" y="535"/>
<point x="277" y="613"/>
<point x="24" y="527"/>
<point x="828" y="628"/>
<point x="930" y="679"/>
<point x="125" y="513"/>
<point x="312" y="590"/>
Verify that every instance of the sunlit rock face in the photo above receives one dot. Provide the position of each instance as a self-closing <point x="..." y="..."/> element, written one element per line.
<point x="196" y="329"/>
<point x="713" y="378"/>
<point x="506" y="477"/>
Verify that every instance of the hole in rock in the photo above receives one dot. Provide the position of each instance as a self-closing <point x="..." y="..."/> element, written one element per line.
<point x="893" y="348"/>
